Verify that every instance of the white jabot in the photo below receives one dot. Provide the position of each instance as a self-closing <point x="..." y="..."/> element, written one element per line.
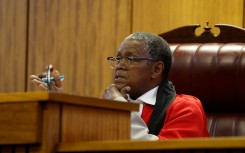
<point x="148" y="98"/>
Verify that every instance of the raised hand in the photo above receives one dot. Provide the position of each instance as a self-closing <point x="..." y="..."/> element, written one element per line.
<point x="56" y="86"/>
<point x="113" y="93"/>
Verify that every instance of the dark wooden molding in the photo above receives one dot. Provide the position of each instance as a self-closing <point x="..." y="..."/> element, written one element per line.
<point x="186" y="34"/>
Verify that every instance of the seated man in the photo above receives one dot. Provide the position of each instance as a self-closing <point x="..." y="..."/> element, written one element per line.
<point x="141" y="67"/>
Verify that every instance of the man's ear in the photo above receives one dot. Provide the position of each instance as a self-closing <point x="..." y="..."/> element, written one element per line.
<point x="157" y="69"/>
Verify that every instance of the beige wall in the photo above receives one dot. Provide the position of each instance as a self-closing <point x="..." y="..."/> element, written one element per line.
<point x="76" y="36"/>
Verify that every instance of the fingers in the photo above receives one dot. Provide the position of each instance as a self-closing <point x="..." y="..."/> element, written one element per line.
<point x="56" y="76"/>
<point x="32" y="77"/>
<point x="38" y="82"/>
<point x="43" y="87"/>
<point x="107" y="94"/>
<point x="42" y="75"/>
<point x="112" y="92"/>
<point x="125" y="91"/>
<point x="54" y="88"/>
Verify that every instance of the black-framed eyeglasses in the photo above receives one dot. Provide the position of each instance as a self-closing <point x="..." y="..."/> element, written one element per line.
<point x="114" y="61"/>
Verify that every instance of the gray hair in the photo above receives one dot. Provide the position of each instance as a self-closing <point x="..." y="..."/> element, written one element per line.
<point x="157" y="48"/>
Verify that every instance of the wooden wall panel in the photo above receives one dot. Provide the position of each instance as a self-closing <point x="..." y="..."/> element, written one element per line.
<point x="159" y="16"/>
<point x="76" y="36"/>
<point x="12" y="45"/>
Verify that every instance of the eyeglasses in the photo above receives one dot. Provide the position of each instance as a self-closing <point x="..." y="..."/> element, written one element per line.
<point x="114" y="61"/>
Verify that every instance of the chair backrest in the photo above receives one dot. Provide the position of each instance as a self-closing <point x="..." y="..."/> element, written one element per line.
<point x="212" y="68"/>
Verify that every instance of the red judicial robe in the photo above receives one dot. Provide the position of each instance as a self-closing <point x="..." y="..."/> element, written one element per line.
<point x="185" y="118"/>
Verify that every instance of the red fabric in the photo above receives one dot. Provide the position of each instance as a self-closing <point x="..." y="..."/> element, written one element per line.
<point x="146" y="112"/>
<point x="185" y="118"/>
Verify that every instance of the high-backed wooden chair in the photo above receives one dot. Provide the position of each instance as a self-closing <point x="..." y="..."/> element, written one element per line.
<point x="212" y="68"/>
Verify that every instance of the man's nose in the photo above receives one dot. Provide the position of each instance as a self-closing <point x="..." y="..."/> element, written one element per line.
<point x="122" y="64"/>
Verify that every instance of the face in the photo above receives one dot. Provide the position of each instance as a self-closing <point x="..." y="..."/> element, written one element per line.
<point x="137" y="75"/>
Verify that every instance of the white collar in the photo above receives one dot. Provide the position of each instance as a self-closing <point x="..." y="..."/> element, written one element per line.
<point x="149" y="97"/>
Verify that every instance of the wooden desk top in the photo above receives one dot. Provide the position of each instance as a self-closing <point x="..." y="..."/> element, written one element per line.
<point x="177" y="144"/>
<point x="65" y="98"/>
